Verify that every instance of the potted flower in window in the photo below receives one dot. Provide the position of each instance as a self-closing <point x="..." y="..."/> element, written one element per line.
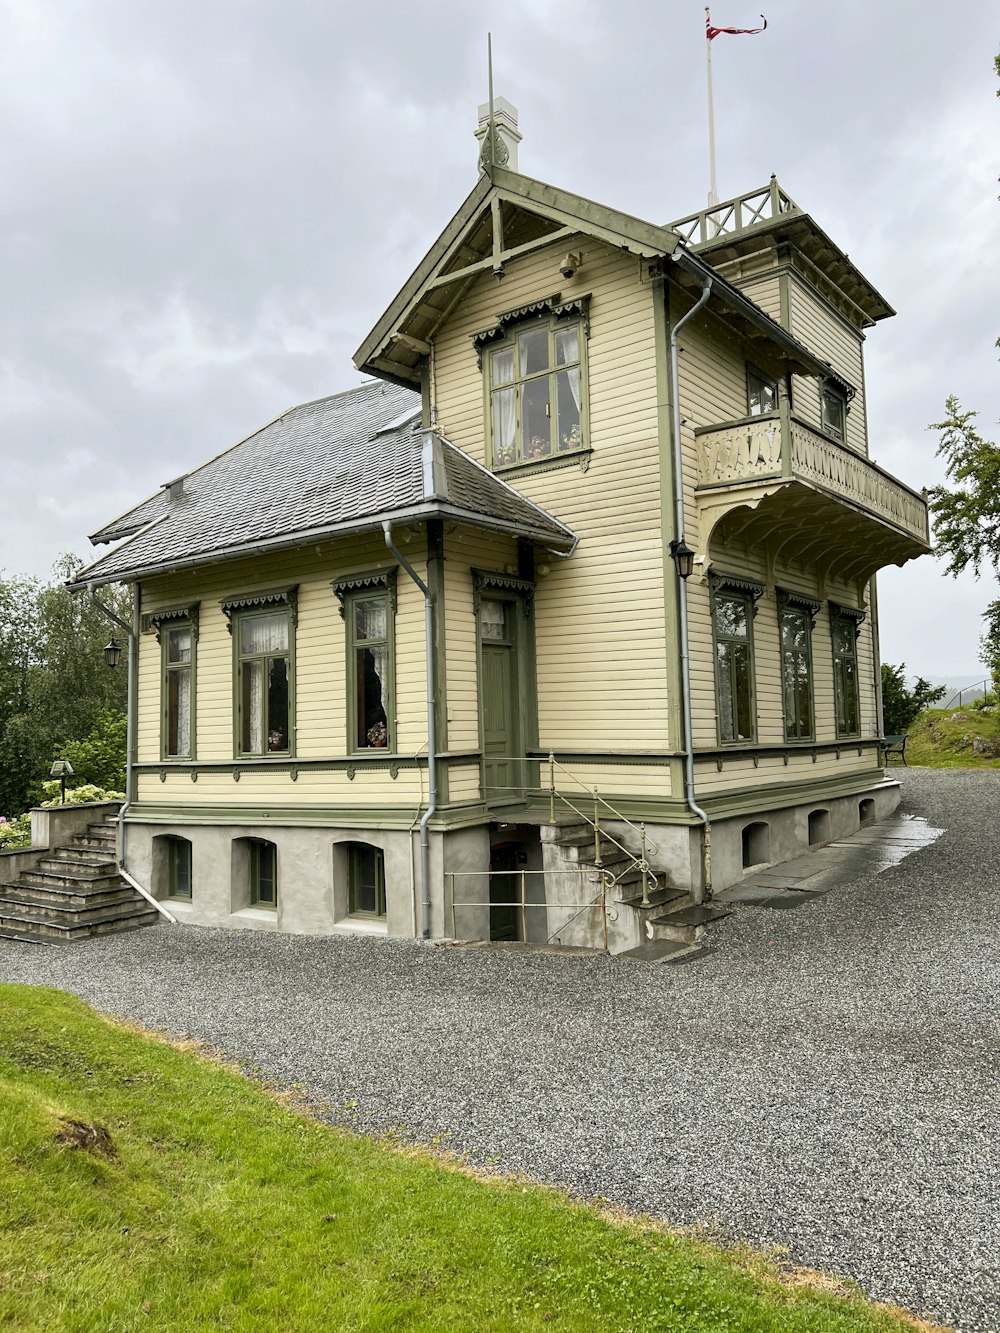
<point x="377" y="736"/>
<point x="573" y="438"/>
<point x="539" y="447"/>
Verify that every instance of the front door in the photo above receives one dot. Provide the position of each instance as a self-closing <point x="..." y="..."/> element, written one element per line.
<point x="500" y="701"/>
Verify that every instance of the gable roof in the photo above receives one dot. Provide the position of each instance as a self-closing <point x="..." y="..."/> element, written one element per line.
<point x="338" y="465"/>
<point x="507" y="215"/>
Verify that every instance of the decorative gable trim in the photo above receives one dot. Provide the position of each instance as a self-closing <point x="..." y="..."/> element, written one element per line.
<point x="152" y="620"/>
<point x="374" y="579"/>
<point x="268" y="597"/>
<point x="577" y="307"/>
<point x="487" y="581"/>
<point x="800" y="602"/>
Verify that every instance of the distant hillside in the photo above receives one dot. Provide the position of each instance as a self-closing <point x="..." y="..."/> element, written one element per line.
<point x="955" y="738"/>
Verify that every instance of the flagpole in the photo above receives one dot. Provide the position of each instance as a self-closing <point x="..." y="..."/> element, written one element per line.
<point x="713" y="193"/>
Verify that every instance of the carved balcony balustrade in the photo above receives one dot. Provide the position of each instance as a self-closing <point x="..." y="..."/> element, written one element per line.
<point x="775" y="481"/>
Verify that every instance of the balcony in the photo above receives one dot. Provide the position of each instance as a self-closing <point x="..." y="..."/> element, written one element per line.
<point x="774" y="480"/>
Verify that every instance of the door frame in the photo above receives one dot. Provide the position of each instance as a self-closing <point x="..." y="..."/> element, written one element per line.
<point x="519" y="594"/>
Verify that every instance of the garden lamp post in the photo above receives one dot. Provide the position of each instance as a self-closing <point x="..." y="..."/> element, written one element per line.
<point x="61" y="769"/>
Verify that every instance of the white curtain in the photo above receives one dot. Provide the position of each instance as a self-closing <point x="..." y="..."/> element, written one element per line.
<point x="183" y="679"/>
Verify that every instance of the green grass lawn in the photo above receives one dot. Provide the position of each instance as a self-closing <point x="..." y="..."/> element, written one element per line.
<point x="213" y="1204"/>
<point x="935" y="741"/>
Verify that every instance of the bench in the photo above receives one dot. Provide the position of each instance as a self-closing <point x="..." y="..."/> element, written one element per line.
<point x="894" y="745"/>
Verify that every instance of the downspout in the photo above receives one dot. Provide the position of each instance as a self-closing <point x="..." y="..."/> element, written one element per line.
<point x="432" y="783"/>
<point x="131" y="707"/>
<point x="678" y="469"/>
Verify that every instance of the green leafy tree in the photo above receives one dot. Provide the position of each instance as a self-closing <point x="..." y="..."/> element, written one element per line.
<point x="901" y="706"/>
<point x="967" y="513"/>
<point x="54" y="682"/>
<point x="99" y="758"/>
<point x="989" y="644"/>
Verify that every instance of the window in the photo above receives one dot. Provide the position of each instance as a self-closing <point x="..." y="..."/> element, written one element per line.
<point x="179" y="868"/>
<point x="370" y="667"/>
<point x="262" y="873"/>
<point x="844" y="632"/>
<point x="177" y="647"/>
<point x="366" y="872"/>
<point x="536" y="386"/>
<point x="795" y="619"/>
<point x="732" y="617"/>
<point x="762" y="393"/>
<point x="263" y="642"/>
<point x="833" y="411"/>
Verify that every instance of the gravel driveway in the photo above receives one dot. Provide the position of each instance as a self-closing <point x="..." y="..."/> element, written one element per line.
<point x="825" y="1079"/>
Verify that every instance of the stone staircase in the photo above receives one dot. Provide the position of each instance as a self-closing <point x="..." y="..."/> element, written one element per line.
<point x="73" y="892"/>
<point x="671" y="924"/>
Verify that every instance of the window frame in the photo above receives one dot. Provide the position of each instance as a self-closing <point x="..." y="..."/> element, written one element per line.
<point x="554" y="322"/>
<point x="376" y="585"/>
<point x="790" y="603"/>
<point x="754" y="373"/>
<point x="175" y="845"/>
<point x="355" y="851"/>
<point x="851" y="619"/>
<point x="256" y="847"/>
<point x="167" y="669"/>
<point x="748" y="594"/>
<point x="831" y="392"/>
<point x="237" y="620"/>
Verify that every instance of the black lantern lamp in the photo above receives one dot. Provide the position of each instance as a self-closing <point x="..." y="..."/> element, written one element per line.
<point x="682" y="556"/>
<point x="61" y="769"/>
<point x="112" y="652"/>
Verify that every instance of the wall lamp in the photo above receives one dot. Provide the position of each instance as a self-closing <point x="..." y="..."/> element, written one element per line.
<point x="683" y="558"/>
<point x="112" y="652"/>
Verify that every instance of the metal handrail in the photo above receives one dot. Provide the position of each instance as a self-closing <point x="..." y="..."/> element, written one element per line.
<point x="600" y="900"/>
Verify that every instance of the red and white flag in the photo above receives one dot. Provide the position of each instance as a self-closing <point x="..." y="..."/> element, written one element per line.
<point x="711" y="31"/>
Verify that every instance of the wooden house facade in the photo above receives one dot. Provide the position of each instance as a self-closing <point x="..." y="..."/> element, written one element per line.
<point x="595" y="545"/>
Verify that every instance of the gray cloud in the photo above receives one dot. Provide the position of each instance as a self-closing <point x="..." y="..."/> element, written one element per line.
<point x="206" y="206"/>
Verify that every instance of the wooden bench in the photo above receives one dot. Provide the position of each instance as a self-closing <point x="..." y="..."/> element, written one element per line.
<point x="894" y="745"/>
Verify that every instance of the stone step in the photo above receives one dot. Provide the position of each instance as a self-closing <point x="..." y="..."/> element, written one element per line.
<point x="80" y="841"/>
<point x="698" y="914"/>
<point x="60" y="879"/>
<point x="56" y="923"/>
<point x="103" y="830"/>
<point x="86" y="855"/>
<point x="21" y="936"/>
<point x="28" y="896"/>
<point x="658" y="897"/>
<point x="64" y="865"/>
<point x="47" y="933"/>
<point x="664" y="951"/>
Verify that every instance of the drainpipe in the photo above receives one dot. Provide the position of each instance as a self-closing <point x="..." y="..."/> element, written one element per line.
<point x="133" y="695"/>
<point x="678" y="469"/>
<point x="432" y="784"/>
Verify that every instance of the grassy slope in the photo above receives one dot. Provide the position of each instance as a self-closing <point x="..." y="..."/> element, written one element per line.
<point x="224" y="1208"/>
<point x="935" y="741"/>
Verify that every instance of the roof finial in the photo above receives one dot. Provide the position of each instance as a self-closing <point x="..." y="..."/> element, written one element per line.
<point x="495" y="151"/>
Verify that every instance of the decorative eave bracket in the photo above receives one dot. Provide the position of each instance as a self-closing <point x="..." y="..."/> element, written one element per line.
<point x="374" y="580"/>
<point x="577" y="307"/>
<point x="485" y="581"/>
<point x="152" y="620"/>
<point x="243" y="601"/>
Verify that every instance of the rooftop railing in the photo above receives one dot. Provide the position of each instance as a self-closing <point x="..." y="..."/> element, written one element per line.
<point x="736" y="215"/>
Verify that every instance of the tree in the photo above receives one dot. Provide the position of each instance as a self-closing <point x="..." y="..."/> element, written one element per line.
<point x="967" y="515"/>
<point x="901" y="706"/>
<point x="54" y="683"/>
<point x="989" y="644"/>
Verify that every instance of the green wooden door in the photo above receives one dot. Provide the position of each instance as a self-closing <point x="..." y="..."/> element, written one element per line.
<point x="500" y="705"/>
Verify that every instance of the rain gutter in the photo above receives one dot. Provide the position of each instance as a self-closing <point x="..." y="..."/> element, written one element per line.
<point x="678" y="470"/>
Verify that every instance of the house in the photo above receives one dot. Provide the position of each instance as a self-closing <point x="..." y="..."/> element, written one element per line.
<point x="556" y="624"/>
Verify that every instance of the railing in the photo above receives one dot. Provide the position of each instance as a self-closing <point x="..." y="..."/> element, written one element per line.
<point x="978" y="691"/>
<point x="736" y="215"/>
<point x="753" y="450"/>
<point x="521" y="905"/>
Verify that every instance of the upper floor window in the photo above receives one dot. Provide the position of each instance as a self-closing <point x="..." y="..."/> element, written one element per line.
<point x="263" y="684"/>
<point x="732" y="621"/>
<point x="795" y="622"/>
<point x="537" y="391"/>
<point x="762" y="393"/>
<point x="844" y="632"/>
<point x="178" y="648"/>
<point x="833" y="411"/>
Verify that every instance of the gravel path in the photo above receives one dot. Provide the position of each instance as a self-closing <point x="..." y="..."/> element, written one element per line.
<point x="825" y="1079"/>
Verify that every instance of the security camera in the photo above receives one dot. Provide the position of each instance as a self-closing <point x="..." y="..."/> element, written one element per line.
<point x="569" y="265"/>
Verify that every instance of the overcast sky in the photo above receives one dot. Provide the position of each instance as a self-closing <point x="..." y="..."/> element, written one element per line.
<point x="205" y="206"/>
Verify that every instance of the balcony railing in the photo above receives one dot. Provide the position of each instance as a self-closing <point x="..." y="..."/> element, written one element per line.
<point x="759" y="450"/>
<point x="736" y="215"/>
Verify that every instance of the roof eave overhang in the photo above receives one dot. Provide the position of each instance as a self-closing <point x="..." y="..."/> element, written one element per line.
<point x="798" y="356"/>
<point x="562" y="540"/>
<point x="561" y="207"/>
